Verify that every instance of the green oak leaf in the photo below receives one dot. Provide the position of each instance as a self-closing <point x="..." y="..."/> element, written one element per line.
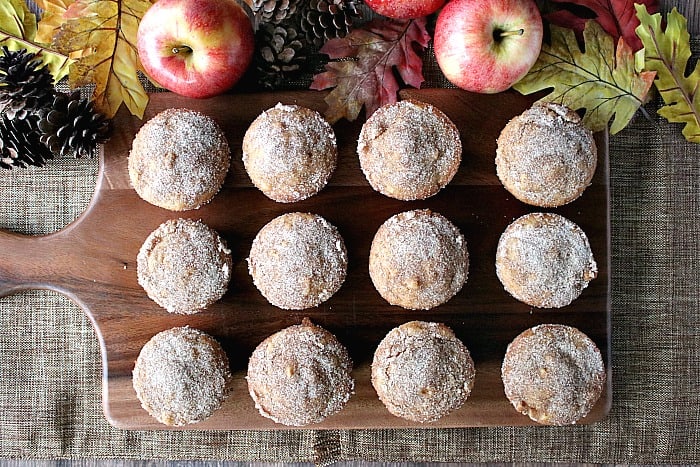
<point x="18" y="30"/>
<point x="667" y="52"/>
<point x="602" y="79"/>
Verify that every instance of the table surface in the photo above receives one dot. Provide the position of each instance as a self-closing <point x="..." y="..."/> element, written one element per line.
<point x="50" y="370"/>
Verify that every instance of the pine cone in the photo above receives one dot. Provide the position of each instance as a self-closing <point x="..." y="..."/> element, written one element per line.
<point x="72" y="124"/>
<point x="327" y="19"/>
<point x="20" y="144"/>
<point x="25" y="83"/>
<point x="281" y="54"/>
<point x="274" y="11"/>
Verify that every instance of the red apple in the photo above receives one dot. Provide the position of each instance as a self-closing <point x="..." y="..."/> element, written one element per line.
<point x="404" y="9"/>
<point x="487" y="45"/>
<point x="196" y="48"/>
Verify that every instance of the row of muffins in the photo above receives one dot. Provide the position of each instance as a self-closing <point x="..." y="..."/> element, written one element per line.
<point x="420" y="371"/>
<point x="179" y="159"/>
<point x="418" y="260"/>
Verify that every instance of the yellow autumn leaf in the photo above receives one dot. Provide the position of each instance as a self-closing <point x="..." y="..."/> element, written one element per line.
<point x="108" y="29"/>
<point x="18" y="30"/>
<point x="51" y="18"/>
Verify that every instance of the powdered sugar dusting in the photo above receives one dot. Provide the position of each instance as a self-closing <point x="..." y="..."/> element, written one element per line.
<point x="181" y="376"/>
<point x="298" y="260"/>
<point x="409" y="150"/>
<point x="289" y="152"/>
<point x="544" y="260"/>
<point x="184" y="266"/>
<point x="179" y="160"/>
<point x="300" y="375"/>
<point x="553" y="373"/>
<point x="545" y="156"/>
<point x="422" y="372"/>
<point x="418" y="260"/>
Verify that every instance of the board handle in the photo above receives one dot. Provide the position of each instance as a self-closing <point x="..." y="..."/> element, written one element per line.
<point x="27" y="262"/>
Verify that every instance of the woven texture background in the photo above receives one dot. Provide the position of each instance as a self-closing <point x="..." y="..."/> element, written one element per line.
<point x="50" y="370"/>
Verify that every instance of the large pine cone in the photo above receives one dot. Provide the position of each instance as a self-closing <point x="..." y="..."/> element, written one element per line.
<point x="274" y="11"/>
<point x="25" y="83"/>
<point x="20" y="145"/>
<point x="281" y="54"/>
<point x="322" y="20"/>
<point x="72" y="124"/>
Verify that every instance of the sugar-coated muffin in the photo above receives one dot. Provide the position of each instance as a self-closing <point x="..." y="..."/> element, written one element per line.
<point x="179" y="160"/>
<point x="422" y="371"/>
<point x="409" y="150"/>
<point x="553" y="373"/>
<point x="298" y="261"/>
<point x="544" y="260"/>
<point x="181" y="376"/>
<point x="546" y="156"/>
<point x="289" y="152"/>
<point x="184" y="266"/>
<point x="300" y="375"/>
<point x="418" y="260"/>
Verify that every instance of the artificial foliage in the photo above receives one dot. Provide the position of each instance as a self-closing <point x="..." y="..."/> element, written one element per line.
<point x="18" y="31"/>
<point x="617" y="17"/>
<point x="107" y="29"/>
<point x="602" y="79"/>
<point x="366" y="66"/>
<point x="667" y="51"/>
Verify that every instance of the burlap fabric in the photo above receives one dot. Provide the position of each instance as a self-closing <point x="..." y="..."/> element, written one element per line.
<point x="50" y="370"/>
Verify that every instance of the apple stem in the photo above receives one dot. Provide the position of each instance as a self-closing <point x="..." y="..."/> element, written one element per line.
<point x="517" y="32"/>
<point x="183" y="48"/>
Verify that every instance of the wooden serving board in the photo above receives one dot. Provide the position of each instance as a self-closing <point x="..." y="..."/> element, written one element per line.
<point x="93" y="261"/>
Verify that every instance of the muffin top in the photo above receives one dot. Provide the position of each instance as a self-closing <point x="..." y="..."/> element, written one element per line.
<point x="544" y="260"/>
<point x="409" y="150"/>
<point x="422" y="372"/>
<point x="553" y="373"/>
<point x="179" y="160"/>
<point x="181" y="376"/>
<point x="298" y="261"/>
<point x="418" y="260"/>
<point x="184" y="266"/>
<point x="289" y="152"/>
<point x="546" y="156"/>
<point x="300" y="375"/>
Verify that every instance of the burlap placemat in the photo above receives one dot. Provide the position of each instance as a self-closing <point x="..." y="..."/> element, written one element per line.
<point x="50" y="369"/>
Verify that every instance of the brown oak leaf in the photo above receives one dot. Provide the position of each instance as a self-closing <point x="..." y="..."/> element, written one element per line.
<point x="363" y="66"/>
<point x="618" y="17"/>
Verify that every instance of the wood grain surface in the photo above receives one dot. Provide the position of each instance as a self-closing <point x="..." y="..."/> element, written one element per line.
<point x="93" y="261"/>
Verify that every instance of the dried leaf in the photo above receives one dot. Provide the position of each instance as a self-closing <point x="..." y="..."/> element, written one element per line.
<point x="106" y="28"/>
<point x="667" y="52"/>
<point x="18" y="31"/>
<point x="363" y="73"/>
<point x="617" y="17"/>
<point x="602" y="80"/>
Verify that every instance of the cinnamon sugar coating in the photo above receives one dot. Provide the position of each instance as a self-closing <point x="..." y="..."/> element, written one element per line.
<point x="418" y="260"/>
<point x="181" y="376"/>
<point x="289" y="152"/>
<point x="179" y="160"/>
<point x="422" y="371"/>
<point x="544" y="260"/>
<point x="545" y="156"/>
<point x="298" y="261"/>
<point x="184" y="266"/>
<point x="300" y="375"/>
<point x="553" y="373"/>
<point x="409" y="150"/>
